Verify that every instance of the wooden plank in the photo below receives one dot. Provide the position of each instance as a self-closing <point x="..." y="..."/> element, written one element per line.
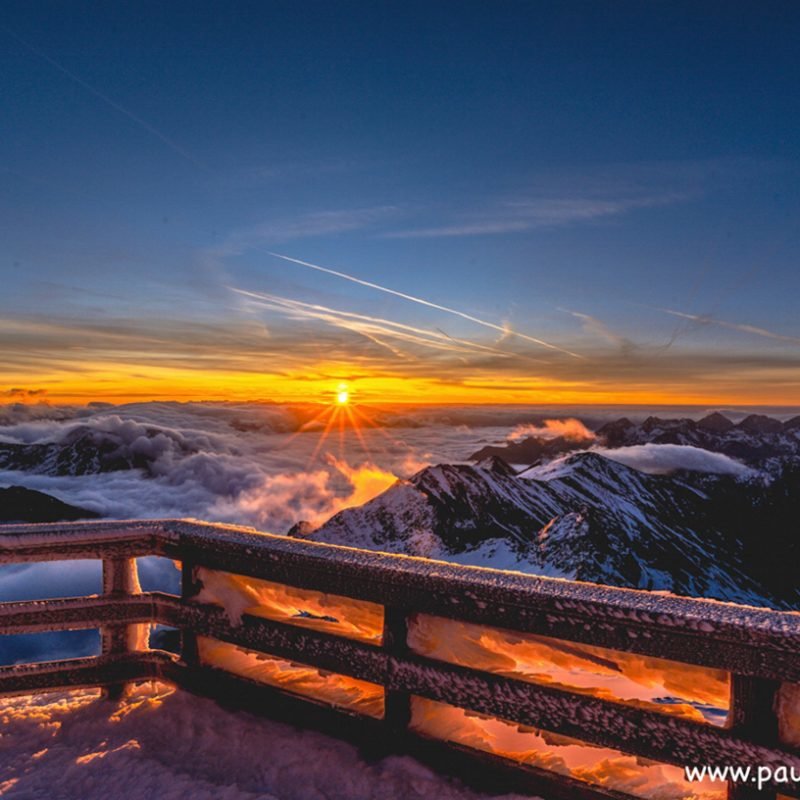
<point x="80" y="673"/>
<point x="395" y="643"/>
<point x="494" y="774"/>
<point x="314" y="648"/>
<point x="68" y="541"/>
<point x="75" y="613"/>
<point x="753" y="713"/>
<point x="120" y="579"/>
<point x="190" y="587"/>
<point x="753" y="717"/>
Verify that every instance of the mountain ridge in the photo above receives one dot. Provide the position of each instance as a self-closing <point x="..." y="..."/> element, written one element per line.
<point x="585" y="517"/>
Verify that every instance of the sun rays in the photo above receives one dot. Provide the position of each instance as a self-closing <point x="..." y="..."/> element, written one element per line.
<point x="340" y="415"/>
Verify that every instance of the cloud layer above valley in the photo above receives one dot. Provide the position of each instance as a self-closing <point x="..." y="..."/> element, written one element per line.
<point x="269" y="465"/>
<point x="662" y="459"/>
<point x="259" y="464"/>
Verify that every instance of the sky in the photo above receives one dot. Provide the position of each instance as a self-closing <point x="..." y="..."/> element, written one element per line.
<point x="432" y="202"/>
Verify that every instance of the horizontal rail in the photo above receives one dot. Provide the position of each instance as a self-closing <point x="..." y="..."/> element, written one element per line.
<point x="63" y="541"/>
<point x="314" y="648"/>
<point x="749" y="641"/>
<point x="82" y="673"/>
<point x="76" y="613"/>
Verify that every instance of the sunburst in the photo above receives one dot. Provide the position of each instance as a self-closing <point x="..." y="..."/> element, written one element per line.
<point x="341" y="414"/>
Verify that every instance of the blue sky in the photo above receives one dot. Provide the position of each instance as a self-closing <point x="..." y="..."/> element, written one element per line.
<point x="568" y="171"/>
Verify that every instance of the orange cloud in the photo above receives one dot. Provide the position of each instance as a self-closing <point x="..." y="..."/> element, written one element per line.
<point x="572" y="429"/>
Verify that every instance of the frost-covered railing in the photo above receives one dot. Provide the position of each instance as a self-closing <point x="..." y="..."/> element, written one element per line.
<point x="399" y="596"/>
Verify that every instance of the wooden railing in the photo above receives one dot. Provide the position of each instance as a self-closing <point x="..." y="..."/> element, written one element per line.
<point x="760" y="648"/>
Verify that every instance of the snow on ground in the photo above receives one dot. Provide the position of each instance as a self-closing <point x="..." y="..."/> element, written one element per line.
<point x="166" y="744"/>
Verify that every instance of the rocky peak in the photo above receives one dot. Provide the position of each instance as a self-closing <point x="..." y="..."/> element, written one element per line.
<point x="759" y="423"/>
<point x="497" y="465"/>
<point x="715" y="423"/>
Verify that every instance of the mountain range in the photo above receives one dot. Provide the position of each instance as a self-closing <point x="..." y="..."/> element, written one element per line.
<point x="89" y="450"/>
<point x="756" y="440"/>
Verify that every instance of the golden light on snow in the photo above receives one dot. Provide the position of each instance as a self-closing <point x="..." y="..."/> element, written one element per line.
<point x="698" y="693"/>
<point x="601" y="766"/>
<point x="306" y="608"/>
<point x="330" y="687"/>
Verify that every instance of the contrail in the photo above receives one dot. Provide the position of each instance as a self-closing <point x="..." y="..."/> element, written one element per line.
<point x="736" y="326"/>
<point x="107" y="100"/>
<point x="369" y="326"/>
<point x="421" y="301"/>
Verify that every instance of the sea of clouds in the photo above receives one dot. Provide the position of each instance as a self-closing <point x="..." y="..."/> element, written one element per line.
<point x="271" y="465"/>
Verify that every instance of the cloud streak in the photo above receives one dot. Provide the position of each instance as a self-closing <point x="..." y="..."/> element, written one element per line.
<point x="502" y="329"/>
<point x="707" y="319"/>
<point x="314" y="224"/>
<point x="598" y="329"/>
<point x="174" y="146"/>
<point x="370" y="327"/>
<point x="543" y="212"/>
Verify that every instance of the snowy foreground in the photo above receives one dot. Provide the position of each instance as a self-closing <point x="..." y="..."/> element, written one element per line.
<point x="166" y="744"/>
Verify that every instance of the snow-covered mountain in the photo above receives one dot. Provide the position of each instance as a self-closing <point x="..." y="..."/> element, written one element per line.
<point x="584" y="517"/>
<point x="92" y="449"/>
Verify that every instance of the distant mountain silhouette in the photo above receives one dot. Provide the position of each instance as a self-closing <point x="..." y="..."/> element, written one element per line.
<point x="754" y="440"/>
<point x="18" y="504"/>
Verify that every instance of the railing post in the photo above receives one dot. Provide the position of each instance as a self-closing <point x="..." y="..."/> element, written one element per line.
<point x="395" y="642"/>
<point x="190" y="586"/>
<point x="120" y="579"/>
<point x="754" y="717"/>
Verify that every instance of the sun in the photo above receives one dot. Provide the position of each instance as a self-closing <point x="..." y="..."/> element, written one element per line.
<point x="343" y="397"/>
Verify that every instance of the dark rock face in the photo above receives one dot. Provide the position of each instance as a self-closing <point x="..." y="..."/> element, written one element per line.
<point x="530" y="450"/>
<point x="615" y="434"/>
<point x="716" y="423"/>
<point x="301" y="530"/>
<point x="18" y="504"/>
<point x="758" y="423"/>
